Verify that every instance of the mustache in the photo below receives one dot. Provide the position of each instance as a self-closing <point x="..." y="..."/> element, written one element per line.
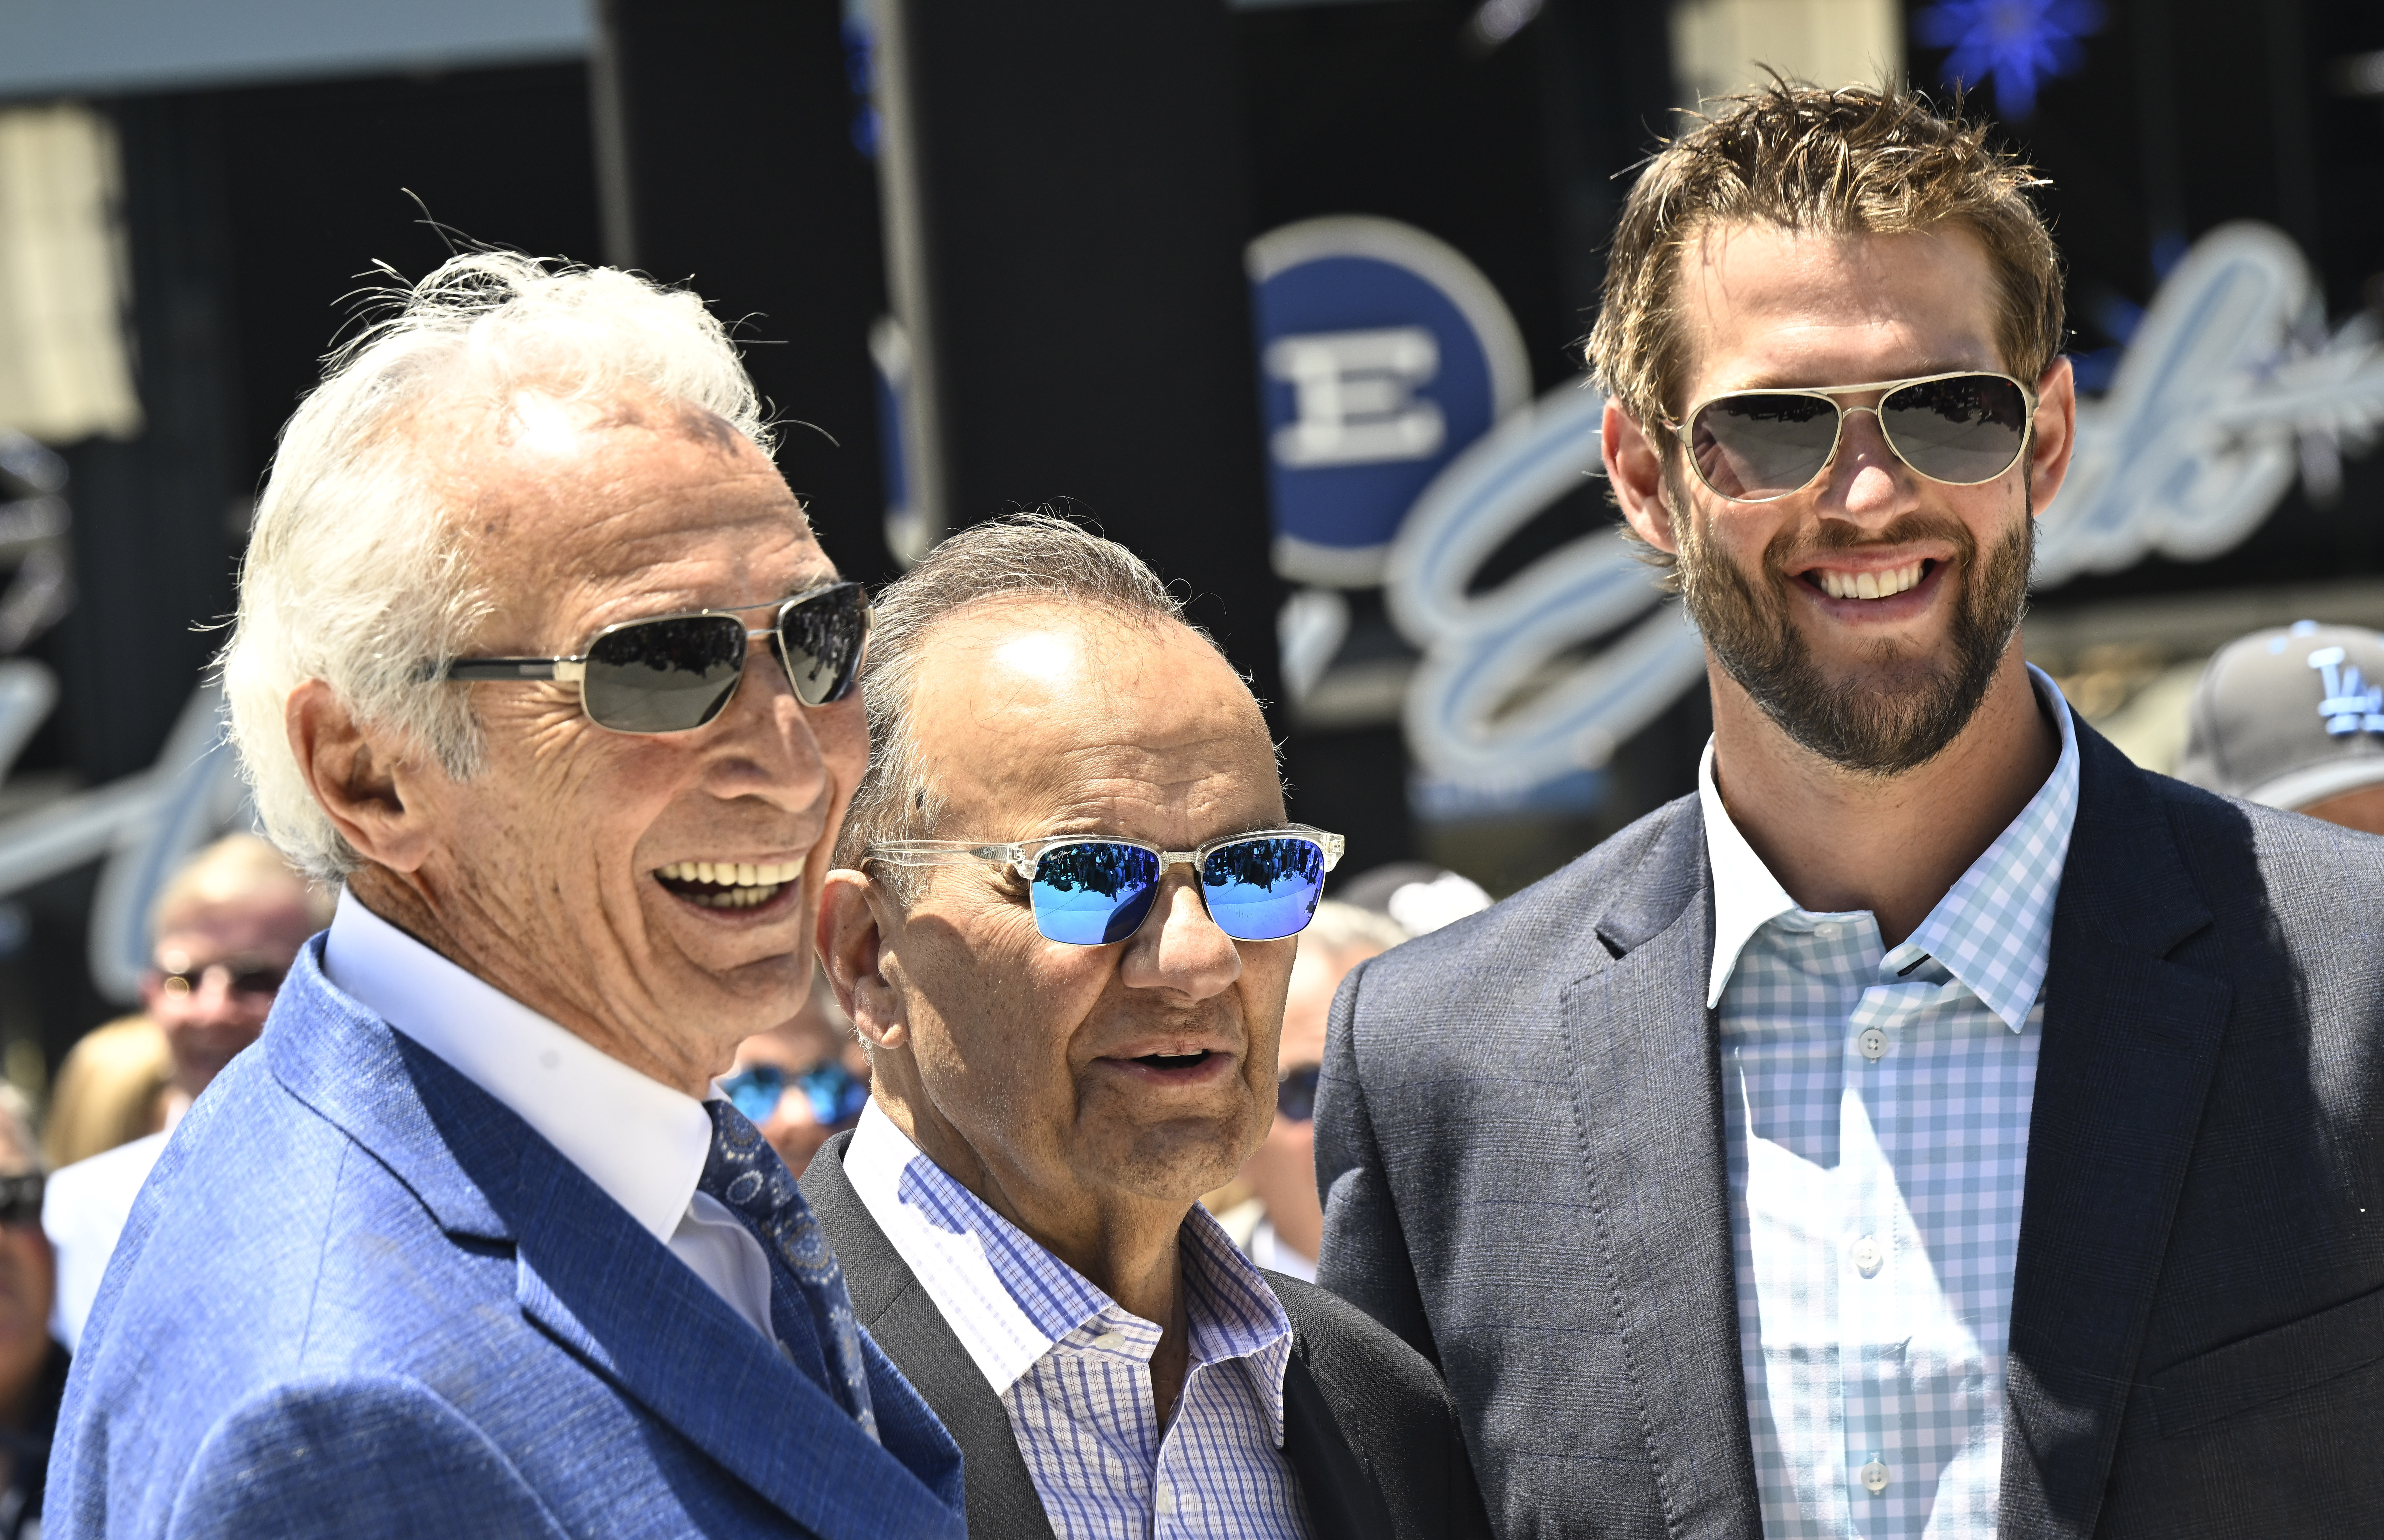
<point x="1791" y="547"/>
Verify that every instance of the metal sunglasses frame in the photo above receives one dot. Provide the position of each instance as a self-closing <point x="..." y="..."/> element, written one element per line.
<point x="1838" y="431"/>
<point x="1024" y="856"/>
<point x="573" y="670"/>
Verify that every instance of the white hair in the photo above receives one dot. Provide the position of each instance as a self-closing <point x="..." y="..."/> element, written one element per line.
<point x="356" y="574"/>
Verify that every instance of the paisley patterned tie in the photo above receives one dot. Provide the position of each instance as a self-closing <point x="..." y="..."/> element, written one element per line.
<point x="745" y="1174"/>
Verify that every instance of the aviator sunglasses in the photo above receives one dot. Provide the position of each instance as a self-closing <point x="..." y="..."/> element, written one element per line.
<point x="670" y="672"/>
<point x="1757" y="446"/>
<point x="1259" y="887"/>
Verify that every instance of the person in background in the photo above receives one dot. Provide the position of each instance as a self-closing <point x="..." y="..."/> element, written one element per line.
<point x="1282" y="1223"/>
<point x="227" y="926"/>
<point x="1416" y="896"/>
<point x="803" y="1080"/>
<point x="33" y="1365"/>
<point x="2293" y="718"/>
<point x="110" y="1090"/>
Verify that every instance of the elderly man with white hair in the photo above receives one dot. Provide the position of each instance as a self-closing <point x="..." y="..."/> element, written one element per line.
<point x="537" y="655"/>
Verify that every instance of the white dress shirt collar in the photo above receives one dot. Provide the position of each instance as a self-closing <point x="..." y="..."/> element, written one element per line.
<point x="641" y="1141"/>
<point x="1747" y="897"/>
<point x="1011" y="1303"/>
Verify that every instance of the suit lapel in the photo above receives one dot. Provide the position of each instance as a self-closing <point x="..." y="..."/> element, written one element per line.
<point x="912" y="1332"/>
<point x="1650" y="1091"/>
<point x="2130" y="1041"/>
<point x="642" y="1319"/>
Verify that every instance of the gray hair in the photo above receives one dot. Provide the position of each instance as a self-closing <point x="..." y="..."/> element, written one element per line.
<point x="1340" y="927"/>
<point x="1035" y="555"/>
<point x="356" y="574"/>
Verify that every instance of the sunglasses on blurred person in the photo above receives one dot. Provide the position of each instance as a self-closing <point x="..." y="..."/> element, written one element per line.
<point x="673" y="673"/>
<point x="1259" y="887"/>
<point x="178" y="977"/>
<point x="1294" y="1094"/>
<point x="21" y="1201"/>
<point x="835" y="1093"/>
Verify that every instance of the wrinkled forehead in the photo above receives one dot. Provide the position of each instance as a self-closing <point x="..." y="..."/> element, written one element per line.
<point x="611" y="506"/>
<point x="1032" y="718"/>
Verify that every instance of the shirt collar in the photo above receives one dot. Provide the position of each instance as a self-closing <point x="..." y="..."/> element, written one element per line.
<point x="641" y="1141"/>
<point x="1994" y="928"/>
<point x="1010" y="1302"/>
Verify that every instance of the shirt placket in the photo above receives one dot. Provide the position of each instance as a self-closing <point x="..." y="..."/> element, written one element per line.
<point x="1873" y="1308"/>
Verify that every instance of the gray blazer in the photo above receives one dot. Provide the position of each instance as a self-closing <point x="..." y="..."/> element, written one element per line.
<point x="1519" y="1140"/>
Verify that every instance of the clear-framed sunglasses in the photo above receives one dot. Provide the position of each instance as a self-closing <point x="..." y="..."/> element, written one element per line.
<point x="671" y="672"/>
<point x="1090" y="891"/>
<point x="1758" y="446"/>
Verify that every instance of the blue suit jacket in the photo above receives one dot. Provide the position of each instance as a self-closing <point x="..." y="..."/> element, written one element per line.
<point x="359" y="1297"/>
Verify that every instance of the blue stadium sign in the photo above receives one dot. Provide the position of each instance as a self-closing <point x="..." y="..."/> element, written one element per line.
<point x="1383" y="353"/>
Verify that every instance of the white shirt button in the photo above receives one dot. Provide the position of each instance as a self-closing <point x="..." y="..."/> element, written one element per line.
<point x="1873" y="1043"/>
<point x="1827" y="930"/>
<point x="1868" y="1256"/>
<point x="1165" y="1502"/>
<point x="1109" y="1338"/>
<point x="1873" y="1477"/>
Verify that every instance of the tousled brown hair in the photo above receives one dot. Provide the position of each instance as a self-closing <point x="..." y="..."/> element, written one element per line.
<point x="1850" y="161"/>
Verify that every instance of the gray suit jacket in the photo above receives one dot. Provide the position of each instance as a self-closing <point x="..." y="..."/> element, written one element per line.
<point x="1519" y="1140"/>
<point x="1368" y="1428"/>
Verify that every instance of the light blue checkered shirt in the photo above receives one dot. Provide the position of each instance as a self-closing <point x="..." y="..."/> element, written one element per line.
<point x="1875" y="1103"/>
<point x="1072" y="1367"/>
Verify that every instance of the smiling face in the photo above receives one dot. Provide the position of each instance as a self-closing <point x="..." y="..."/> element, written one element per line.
<point x="1047" y="1075"/>
<point x="653" y="893"/>
<point x="1866" y="613"/>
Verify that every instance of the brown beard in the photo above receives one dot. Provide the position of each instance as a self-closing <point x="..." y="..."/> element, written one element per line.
<point x="1897" y="718"/>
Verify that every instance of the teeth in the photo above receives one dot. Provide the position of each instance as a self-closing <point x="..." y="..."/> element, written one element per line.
<point x="744" y="883"/>
<point x="1870" y="585"/>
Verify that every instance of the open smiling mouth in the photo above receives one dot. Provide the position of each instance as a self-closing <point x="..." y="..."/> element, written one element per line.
<point x="1174" y="1061"/>
<point x="1870" y="585"/>
<point x="728" y="883"/>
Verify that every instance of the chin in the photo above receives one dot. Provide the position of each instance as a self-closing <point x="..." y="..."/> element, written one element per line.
<point x="1175" y="1161"/>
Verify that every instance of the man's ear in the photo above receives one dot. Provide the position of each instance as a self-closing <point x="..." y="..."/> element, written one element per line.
<point x="856" y="917"/>
<point x="2056" y="433"/>
<point x="1635" y="469"/>
<point x="372" y="795"/>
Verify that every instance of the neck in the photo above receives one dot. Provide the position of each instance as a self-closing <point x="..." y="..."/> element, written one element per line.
<point x="400" y="900"/>
<point x="1127" y="1246"/>
<point x="1890" y="844"/>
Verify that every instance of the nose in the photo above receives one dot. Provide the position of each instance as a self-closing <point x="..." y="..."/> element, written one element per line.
<point x="1869" y="480"/>
<point x="768" y="737"/>
<point x="1180" y="948"/>
<point x="214" y="999"/>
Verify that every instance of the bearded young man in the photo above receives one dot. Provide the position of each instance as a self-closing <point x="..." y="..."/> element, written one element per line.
<point x="1940" y="1125"/>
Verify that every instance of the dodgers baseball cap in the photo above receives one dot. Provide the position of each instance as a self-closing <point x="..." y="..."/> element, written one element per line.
<point x="2289" y="717"/>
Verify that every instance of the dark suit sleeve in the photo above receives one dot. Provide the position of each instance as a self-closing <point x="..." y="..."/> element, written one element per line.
<point x="1365" y="1253"/>
<point x="361" y="1458"/>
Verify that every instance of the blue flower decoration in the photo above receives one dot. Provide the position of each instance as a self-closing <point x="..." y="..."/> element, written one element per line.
<point x="2012" y="44"/>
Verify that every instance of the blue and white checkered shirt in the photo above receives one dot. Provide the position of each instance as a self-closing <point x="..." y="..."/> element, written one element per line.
<point x="1875" y="1102"/>
<point x="1072" y="1367"/>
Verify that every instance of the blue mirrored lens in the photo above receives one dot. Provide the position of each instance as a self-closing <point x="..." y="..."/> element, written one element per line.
<point x="1263" y="890"/>
<point x="755" y="1092"/>
<point x="836" y="1094"/>
<point x="1091" y="894"/>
